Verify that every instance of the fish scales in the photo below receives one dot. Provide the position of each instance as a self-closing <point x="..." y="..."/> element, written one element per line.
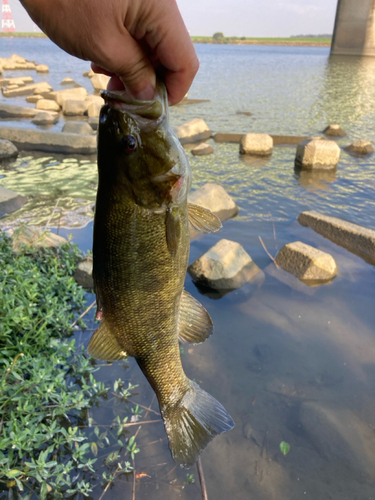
<point x="141" y="250"/>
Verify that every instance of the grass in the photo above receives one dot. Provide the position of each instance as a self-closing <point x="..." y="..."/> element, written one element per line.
<point x="265" y="41"/>
<point x="20" y="34"/>
<point x="48" y="443"/>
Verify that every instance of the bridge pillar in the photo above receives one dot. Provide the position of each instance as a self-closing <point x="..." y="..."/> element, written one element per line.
<point x="354" y="32"/>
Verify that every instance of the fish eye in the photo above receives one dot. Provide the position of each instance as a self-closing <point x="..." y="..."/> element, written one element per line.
<point x="130" y="143"/>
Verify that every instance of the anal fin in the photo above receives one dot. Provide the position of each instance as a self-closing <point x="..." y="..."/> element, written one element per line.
<point x="203" y="220"/>
<point x="104" y="345"/>
<point x="195" y="324"/>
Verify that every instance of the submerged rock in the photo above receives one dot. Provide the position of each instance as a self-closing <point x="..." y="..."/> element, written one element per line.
<point x="7" y="150"/>
<point x="339" y="436"/>
<point x="83" y="273"/>
<point x="360" y="147"/>
<point x="317" y="153"/>
<point x="306" y="262"/>
<point x="215" y="198"/>
<point x="34" y="98"/>
<point x="334" y="130"/>
<point x="45" y="118"/>
<point x="52" y="142"/>
<point x="203" y="149"/>
<point x="10" y="201"/>
<point x="224" y="266"/>
<point x="356" y="239"/>
<point x="36" y="237"/>
<point x="78" y="128"/>
<point x="195" y="130"/>
<point x="10" y="111"/>
<point x="256" y="144"/>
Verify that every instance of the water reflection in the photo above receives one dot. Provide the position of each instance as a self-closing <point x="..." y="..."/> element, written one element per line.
<point x="315" y="179"/>
<point x="348" y="92"/>
<point x="60" y="190"/>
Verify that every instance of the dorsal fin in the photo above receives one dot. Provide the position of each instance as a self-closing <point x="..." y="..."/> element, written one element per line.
<point x="203" y="220"/>
<point x="195" y="324"/>
<point x="104" y="345"/>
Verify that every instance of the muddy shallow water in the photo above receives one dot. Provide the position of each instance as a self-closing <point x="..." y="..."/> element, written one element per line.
<point x="289" y="362"/>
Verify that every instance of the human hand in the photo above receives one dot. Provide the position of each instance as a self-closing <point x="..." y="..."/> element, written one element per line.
<point x="129" y="40"/>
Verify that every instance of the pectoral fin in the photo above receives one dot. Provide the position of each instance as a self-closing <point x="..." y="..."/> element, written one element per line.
<point x="172" y="229"/>
<point x="104" y="345"/>
<point x="203" y="220"/>
<point x="195" y="324"/>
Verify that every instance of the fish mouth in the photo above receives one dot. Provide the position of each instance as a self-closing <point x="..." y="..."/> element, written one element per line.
<point x="173" y="173"/>
<point x="153" y="109"/>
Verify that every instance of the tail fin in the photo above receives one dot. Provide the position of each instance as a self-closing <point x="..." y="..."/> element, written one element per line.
<point x="192" y="424"/>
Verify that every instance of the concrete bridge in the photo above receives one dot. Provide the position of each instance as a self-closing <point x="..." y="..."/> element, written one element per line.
<point x="354" y="32"/>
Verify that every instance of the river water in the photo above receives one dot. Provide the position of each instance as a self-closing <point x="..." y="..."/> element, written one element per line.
<point x="289" y="362"/>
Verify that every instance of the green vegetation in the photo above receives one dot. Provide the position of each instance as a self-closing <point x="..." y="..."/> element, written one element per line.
<point x="284" y="448"/>
<point x="20" y="34"/>
<point x="48" y="444"/>
<point x="216" y="38"/>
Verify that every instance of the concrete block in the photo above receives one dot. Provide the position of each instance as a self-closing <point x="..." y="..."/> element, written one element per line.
<point x="202" y="149"/>
<point x="216" y="199"/>
<point x="317" y="153"/>
<point x="224" y="266"/>
<point x="356" y="239"/>
<point x="256" y="144"/>
<point x="51" y="142"/>
<point x="195" y="130"/>
<point x="306" y="262"/>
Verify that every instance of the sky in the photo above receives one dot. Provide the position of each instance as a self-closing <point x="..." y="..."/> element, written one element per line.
<point x="251" y="18"/>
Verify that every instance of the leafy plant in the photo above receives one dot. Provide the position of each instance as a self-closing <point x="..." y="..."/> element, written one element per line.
<point x="46" y="385"/>
<point x="284" y="448"/>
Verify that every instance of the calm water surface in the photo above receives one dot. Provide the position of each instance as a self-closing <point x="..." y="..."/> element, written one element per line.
<point x="289" y="362"/>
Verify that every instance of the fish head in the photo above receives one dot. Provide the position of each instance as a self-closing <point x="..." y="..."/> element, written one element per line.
<point x="139" y="155"/>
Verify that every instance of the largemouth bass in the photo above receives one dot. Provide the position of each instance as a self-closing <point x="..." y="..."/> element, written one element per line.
<point x="140" y="251"/>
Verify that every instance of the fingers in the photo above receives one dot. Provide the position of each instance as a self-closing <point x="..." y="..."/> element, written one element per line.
<point x="125" y="58"/>
<point x="176" y="53"/>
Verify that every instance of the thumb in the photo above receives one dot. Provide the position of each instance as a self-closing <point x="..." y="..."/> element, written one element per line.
<point x="130" y="63"/>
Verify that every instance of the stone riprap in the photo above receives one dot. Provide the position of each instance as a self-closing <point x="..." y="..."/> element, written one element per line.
<point x="10" y="201"/>
<point x="306" y="262"/>
<point x="47" y="105"/>
<point x="83" y="273"/>
<point x="216" y="199"/>
<point x="360" y="147"/>
<point x="33" y="99"/>
<point x="62" y="95"/>
<point x="93" y="122"/>
<point x="256" y="144"/>
<point x="42" y="68"/>
<point x="10" y="111"/>
<point x="18" y="80"/>
<point x="334" y="130"/>
<point x="202" y="149"/>
<point x="7" y="150"/>
<point x="356" y="239"/>
<point x="99" y="82"/>
<point x="74" y="107"/>
<point x="34" y="236"/>
<point x="78" y="128"/>
<point x="51" y="142"/>
<point x="195" y="130"/>
<point x="93" y="109"/>
<point x="225" y="266"/>
<point x="317" y="153"/>
<point x="27" y="89"/>
<point x="45" y="118"/>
